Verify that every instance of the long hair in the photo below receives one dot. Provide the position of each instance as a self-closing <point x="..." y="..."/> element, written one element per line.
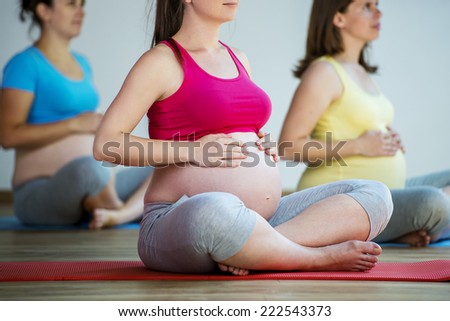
<point x="168" y="20"/>
<point x="28" y="9"/>
<point x="324" y="37"/>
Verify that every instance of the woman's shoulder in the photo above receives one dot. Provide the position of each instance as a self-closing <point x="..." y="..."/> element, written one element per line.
<point x="157" y="65"/>
<point x="162" y="56"/>
<point x="25" y="62"/>
<point x="23" y="58"/>
<point x="242" y="57"/>
<point x="323" y="66"/>
<point x="21" y="71"/>
<point x="239" y="53"/>
<point x="322" y="69"/>
<point x="323" y="74"/>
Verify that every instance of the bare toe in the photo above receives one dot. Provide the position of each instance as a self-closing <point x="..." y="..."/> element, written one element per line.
<point x="222" y="267"/>
<point x="418" y="238"/>
<point x="103" y="218"/>
<point x="373" y="248"/>
<point x="233" y="270"/>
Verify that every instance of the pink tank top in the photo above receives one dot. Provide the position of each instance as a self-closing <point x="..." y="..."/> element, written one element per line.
<point x="205" y="104"/>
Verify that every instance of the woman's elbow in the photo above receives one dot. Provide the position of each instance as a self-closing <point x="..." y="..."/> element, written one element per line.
<point x="7" y="141"/>
<point x="98" y="155"/>
<point x="106" y="151"/>
<point x="285" y="147"/>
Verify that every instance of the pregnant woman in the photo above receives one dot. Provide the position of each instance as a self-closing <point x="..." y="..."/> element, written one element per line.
<point x="48" y="115"/>
<point x="215" y="197"/>
<point x="337" y="96"/>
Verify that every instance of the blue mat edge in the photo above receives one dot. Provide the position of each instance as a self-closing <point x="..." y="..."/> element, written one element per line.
<point x="11" y="223"/>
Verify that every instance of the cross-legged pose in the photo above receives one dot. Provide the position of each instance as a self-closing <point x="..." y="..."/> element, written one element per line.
<point x="337" y="96"/>
<point x="215" y="197"/>
<point x="48" y="115"/>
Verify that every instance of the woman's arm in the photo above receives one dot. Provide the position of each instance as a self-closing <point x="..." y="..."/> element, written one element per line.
<point x="16" y="133"/>
<point x="156" y="75"/>
<point x="320" y="86"/>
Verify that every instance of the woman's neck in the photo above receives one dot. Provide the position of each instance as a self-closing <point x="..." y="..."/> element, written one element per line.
<point x="348" y="57"/>
<point x="54" y="48"/>
<point x="198" y="35"/>
<point x="352" y="51"/>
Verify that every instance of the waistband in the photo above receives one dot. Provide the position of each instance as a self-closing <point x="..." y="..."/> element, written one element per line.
<point x="161" y="208"/>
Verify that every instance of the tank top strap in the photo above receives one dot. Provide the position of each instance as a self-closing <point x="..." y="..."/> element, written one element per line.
<point x="181" y="53"/>
<point x="238" y="63"/>
<point x="189" y="63"/>
<point x="338" y="68"/>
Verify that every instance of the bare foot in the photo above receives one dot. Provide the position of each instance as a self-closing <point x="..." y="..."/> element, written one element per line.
<point x="233" y="270"/>
<point x="104" y="218"/>
<point x="346" y="256"/>
<point x="418" y="238"/>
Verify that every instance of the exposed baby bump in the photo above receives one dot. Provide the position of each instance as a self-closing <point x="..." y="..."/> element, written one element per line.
<point x="47" y="160"/>
<point x="256" y="182"/>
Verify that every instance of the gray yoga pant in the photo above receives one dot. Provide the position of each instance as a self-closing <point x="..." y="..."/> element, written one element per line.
<point x="58" y="200"/>
<point x="192" y="234"/>
<point x="421" y="205"/>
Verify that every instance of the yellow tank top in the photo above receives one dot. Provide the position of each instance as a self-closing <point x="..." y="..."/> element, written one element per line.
<point x="347" y="118"/>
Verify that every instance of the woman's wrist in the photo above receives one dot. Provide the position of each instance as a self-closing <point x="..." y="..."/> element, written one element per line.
<point x="72" y="125"/>
<point x="353" y="147"/>
<point x="183" y="152"/>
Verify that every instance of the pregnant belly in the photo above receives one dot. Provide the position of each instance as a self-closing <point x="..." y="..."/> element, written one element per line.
<point x="256" y="182"/>
<point x="388" y="170"/>
<point x="47" y="160"/>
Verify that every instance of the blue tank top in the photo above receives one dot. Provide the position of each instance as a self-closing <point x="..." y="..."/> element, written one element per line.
<point x="56" y="97"/>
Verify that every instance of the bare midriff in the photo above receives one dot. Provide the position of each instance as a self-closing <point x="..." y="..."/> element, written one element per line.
<point x="47" y="160"/>
<point x="257" y="182"/>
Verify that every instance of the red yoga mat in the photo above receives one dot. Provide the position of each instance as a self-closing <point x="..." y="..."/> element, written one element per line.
<point x="427" y="271"/>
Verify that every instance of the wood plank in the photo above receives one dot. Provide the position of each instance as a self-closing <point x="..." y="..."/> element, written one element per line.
<point x="6" y="197"/>
<point x="122" y="244"/>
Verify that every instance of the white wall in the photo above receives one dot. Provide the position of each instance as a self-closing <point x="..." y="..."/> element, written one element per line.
<point x="412" y="54"/>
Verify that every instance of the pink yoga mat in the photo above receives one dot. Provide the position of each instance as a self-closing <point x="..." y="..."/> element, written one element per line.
<point x="427" y="271"/>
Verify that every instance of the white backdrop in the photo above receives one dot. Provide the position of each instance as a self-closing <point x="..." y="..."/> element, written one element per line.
<point x="413" y="54"/>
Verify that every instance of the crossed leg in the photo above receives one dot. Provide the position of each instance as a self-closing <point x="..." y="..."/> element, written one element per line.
<point x="267" y="249"/>
<point x="213" y="229"/>
<point x="131" y="210"/>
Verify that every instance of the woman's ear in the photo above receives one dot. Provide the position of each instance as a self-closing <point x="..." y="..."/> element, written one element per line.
<point x="339" y="20"/>
<point x="43" y="12"/>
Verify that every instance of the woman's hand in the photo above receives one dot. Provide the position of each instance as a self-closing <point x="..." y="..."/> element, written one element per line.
<point x="396" y="138"/>
<point x="218" y="150"/>
<point x="269" y="146"/>
<point x="86" y="122"/>
<point x="375" y="143"/>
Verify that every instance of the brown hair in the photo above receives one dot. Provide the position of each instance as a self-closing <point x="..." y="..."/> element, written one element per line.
<point x="28" y="8"/>
<point x="168" y="20"/>
<point x="324" y="37"/>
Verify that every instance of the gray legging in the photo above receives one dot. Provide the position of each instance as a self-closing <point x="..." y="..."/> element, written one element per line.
<point x="189" y="236"/>
<point x="57" y="200"/>
<point x="420" y="205"/>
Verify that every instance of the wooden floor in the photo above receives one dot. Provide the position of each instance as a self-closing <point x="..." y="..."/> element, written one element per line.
<point x="121" y="245"/>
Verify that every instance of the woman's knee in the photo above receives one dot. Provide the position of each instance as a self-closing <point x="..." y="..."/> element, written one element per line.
<point x="433" y="208"/>
<point x="220" y="224"/>
<point x="378" y="195"/>
<point x="89" y="174"/>
<point x="376" y="199"/>
<point x="213" y="209"/>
